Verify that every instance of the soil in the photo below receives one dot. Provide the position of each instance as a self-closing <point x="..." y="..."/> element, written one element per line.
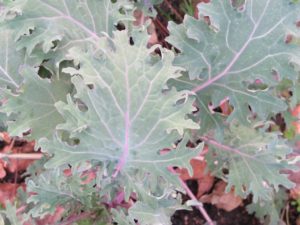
<point x="291" y="214"/>
<point x="161" y="20"/>
<point x="16" y="177"/>
<point x="238" y="216"/>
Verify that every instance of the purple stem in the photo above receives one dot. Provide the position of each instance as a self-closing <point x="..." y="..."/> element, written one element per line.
<point x="234" y="59"/>
<point x="125" y="154"/>
<point x="70" y="18"/>
<point x="193" y="197"/>
<point x="226" y="70"/>
<point x="119" y="198"/>
<point x="225" y="147"/>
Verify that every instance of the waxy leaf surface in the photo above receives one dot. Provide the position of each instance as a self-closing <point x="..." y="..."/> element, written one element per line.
<point x="129" y="116"/>
<point x="34" y="105"/>
<point x="49" y="28"/>
<point x="236" y="49"/>
<point x="254" y="161"/>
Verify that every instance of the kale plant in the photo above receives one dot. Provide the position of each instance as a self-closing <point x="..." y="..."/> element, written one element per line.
<point x="100" y="102"/>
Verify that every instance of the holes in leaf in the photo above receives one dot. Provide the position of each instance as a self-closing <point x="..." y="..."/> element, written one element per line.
<point x="150" y="9"/>
<point x="43" y="72"/>
<point x="252" y="116"/>
<point x="164" y="151"/>
<point x="81" y="105"/>
<point x="120" y="26"/>
<point x="76" y="141"/>
<point x="224" y="108"/>
<point x="207" y="20"/>
<point x="257" y="85"/>
<point x="225" y="171"/>
<point x="131" y="42"/>
<point x="26" y="133"/>
<point x="193" y="186"/>
<point x="196" y="110"/>
<point x="280" y="123"/>
<point x="55" y="43"/>
<point x="30" y="32"/>
<point x="239" y="5"/>
<point x="190" y="144"/>
<point x="90" y="86"/>
<point x="73" y="141"/>
<point x="65" y="137"/>
<point x="288" y="38"/>
<point x="217" y="109"/>
<point x="123" y="9"/>
<point x="157" y="51"/>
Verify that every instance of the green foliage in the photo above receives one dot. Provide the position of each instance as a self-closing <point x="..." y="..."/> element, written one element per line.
<point x="270" y="211"/>
<point x="297" y="204"/>
<point x="56" y="189"/>
<point x="235" y="50"/>
<point x="9" y="216"/>
<point x="253" y="152"/>
<point x="9" y="76"/>
<point x="101" y="101"/>
<point x="41" y="117"/>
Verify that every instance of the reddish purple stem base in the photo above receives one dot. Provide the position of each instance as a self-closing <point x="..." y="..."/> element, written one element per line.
<point x="193" y="197"/>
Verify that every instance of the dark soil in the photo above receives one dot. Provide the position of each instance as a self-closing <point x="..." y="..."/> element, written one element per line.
<point x="2" y="144"/>
<point x="18" y="176"/>
<point x="291" y="214"/>
<point x="164" y="13"/>
<point x="238" y="216"/>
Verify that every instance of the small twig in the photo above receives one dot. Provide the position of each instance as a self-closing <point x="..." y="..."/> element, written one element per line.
<point x="17" y="164"/>
<point x="193" y="197"/>
<point x="22" y="156"/>
<point x="75" y="218"/>
<point x="163" y="28"/>
<point x="177" y="14"/>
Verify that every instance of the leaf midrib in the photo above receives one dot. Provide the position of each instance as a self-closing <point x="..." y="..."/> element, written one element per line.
<point x="236" y="56"/>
